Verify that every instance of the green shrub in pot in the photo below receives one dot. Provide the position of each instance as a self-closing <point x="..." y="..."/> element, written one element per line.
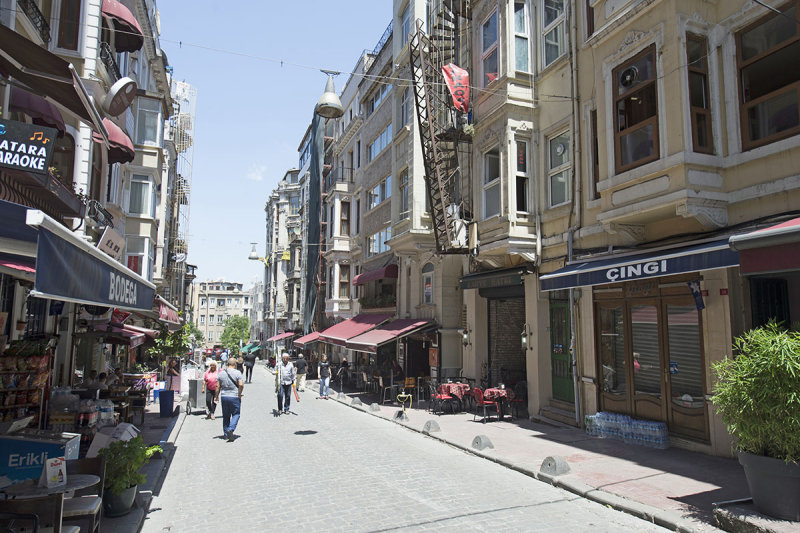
<point x="757" y="394"/>
<point x="124" y="458"/>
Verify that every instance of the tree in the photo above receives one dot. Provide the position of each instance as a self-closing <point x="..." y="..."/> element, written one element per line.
<point x="171" y="343"/>
<point x="237" y="329"/>
<point x="198" y="335"/>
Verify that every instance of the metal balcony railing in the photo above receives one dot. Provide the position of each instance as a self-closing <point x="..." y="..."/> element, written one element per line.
<point x="339" y="175"/>
<point x="107" y="57"/>
<point x="36" y="17"/>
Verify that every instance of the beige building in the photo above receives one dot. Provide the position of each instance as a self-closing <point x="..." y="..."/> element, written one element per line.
<point x="214" y="302"/>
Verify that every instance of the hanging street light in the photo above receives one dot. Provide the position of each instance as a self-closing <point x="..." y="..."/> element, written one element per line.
<point x="329" y="105"/>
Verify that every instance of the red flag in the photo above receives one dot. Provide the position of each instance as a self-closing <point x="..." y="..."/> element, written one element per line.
<point x="457" y="80"/>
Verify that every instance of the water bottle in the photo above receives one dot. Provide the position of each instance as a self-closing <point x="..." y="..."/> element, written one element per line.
<point x="663" y="437"/>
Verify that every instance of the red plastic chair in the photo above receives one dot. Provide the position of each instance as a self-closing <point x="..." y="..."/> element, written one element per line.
<point x="481" y="403"/>
<point x="437" y="398"/>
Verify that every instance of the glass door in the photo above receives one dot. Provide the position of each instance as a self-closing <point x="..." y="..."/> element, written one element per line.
<point x="561" y="365"/>
<point x="611" y="351"/>
<point x="648" y="398"/>
<point x="684" y="370"/>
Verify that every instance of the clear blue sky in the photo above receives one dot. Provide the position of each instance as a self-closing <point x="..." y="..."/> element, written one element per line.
<point x="252" y="111"/>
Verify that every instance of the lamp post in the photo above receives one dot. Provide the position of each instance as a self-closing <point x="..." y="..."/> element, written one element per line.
<point x="272" y="288"/>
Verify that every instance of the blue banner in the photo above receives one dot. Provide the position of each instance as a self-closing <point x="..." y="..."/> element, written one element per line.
<point x="64" y="271"/>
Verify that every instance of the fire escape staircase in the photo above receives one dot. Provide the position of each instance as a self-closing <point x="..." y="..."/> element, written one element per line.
<point x="448" y="190"/>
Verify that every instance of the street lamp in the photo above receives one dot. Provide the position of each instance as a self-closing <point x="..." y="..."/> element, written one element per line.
<point x="273" y="290"/>
<point x="329" y="105"/>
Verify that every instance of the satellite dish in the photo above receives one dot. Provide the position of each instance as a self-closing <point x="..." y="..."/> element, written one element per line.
<point x="119" y="96"/>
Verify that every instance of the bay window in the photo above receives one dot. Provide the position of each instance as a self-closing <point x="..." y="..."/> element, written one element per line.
<point x="491" y="183"/>
<point x="427" y="283"/>
<point x="522" y="177"/>
<point x="553" y="30"/>
<point x="69" y="24"/>
<point x="699" y="99"/>
<point x="344" y="281"/>
<point x="148" y="121"/>
<point x="521" y="38"/>
<point x="402" y="187"/>
<point x="559" y="168"/>
<point x="379" y="143"/>
<point x="344" y="220"/>
<point x="142" y="196"/>
<point x="489" y="61"/>
<point x="636" y="104"/>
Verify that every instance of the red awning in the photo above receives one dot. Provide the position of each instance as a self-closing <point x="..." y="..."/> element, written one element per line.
<point x="306" y="339"/>
<point x="40" y="110"/>
<point x="120" y="146"/>
<point x="18" y="267"/>
<point x="281" y="336"/>
<point x="386" y="333"/>
<point x="341" y="332"/>
<point x="769" y="250"/>
<point x="387" y="272"/>
<point x="128" y="35"/>
<point x="152" y="333"/>
<point x="122" y="335"/>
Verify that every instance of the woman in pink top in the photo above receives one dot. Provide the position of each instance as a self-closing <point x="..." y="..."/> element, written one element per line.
<point x="210" y="388"/>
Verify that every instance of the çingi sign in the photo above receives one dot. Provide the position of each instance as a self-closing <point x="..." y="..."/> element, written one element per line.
<point x="26" y="146"/>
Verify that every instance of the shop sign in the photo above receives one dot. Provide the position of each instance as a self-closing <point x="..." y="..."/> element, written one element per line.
<point x="112" y="243"/>
<point x="694" y="286"/>
<point x="433" y="357"/>
<point x="26" y="146"/>
<point x="492" y="281"/>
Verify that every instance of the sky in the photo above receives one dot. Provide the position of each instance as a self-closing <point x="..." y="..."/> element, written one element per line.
<point x="255" y="65"/>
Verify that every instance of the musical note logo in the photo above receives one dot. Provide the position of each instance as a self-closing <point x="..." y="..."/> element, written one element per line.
<point x="38" y="136"/>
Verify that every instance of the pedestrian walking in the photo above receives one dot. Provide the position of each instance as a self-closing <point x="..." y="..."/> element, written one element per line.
<point x="324" y="373"/>
<point x="301" y="365"/>
<point x="249" y="363"/>
<point x="286" y="376"/>
<point x="173" y="375"/>
<point x="240" y="363"/>
<point x="229" y="393"/>
<point x="210" y="388"/>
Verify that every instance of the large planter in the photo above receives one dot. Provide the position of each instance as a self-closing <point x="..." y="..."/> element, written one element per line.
<point x="774" y="485"/>
<point x="119" y="505"/>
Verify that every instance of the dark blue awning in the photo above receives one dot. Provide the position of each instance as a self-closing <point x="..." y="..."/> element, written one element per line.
<point x="706" y="256"/>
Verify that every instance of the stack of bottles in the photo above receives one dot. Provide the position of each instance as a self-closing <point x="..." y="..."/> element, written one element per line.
<point x="624" y="428"/>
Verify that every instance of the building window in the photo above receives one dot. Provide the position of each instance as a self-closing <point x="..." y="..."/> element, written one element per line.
<point x="220" y="302"/>
<point x="294" y="205"/>
<point x="358" y="154"/>
<point x="522" y="191"/>
<point x="491" y="183"/>
<point x="558" y="168"/>
<point x="405" y="107"/>
<point x="380" y="192"/>
<point x="229" y="301"/>
<point x="210" y="336"/>
<point x="405" y="25"/>
<point x="211" y="319"/>
<point x="64" y="157"/>
<point x="769" y="85"/>
<point x="594" y="147"/>
<point x="553" y="34"/>
<point x="358" y="216"/>
<point x="142" y="196"/>
<point x="521" y="38"/>
<point x="635" y="101"/>
<point x="202" y="320"/>
<point x="699" y="100"/>
<point x="427" y="284"/>
<point x="344" y="220"/>
<point x="138" y="256"/>
<point x="69" y="24"/>
<point x="380" y="95"/>
<point x="402" y="187"/>
<point x="489" y="50"/>
<point x="344" y="281"/>
<point x="148" y="122"/>
<point x="377" y="242"/>
<point x="202" y="302"/>
<point x="589" y="18"/>
<point x="380" y="142"/>
<point x="112" y="192"/>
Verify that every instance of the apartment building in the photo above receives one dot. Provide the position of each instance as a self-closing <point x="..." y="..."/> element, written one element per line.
<point x="216" y="301"/>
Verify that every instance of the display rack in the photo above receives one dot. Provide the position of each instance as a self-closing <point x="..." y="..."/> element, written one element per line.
<point x="25" y="370"/>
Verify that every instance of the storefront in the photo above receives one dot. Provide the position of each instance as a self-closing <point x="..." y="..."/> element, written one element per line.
<point x="651" y="337"/>
<point x="406" y="340"/>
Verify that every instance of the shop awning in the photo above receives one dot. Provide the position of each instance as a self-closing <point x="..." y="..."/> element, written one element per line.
<point x="663" y="262"/>
<point x="247" y="348"/>
<point x="122" y="335"/>
<point x="387" y="272"/>
<point x="305" y="340"/>
<point x="20" y="267"/>
<point x="120" y="146"/>
<point x="40" y="110"/>
<point x="769" y="250"/>
<point x="386" y="333"/>
<point x="47" y="75"/>
<point x="128" y="34"/>
<point x="281" y="336"/>
<point x="152" y="333"/>
<point x="343" y="331"/>
<point x="70" y="269"/>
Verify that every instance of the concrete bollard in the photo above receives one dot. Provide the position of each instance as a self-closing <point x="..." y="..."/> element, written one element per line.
<point x="356" y="401"/>
<point x="555" y="465"/>
<point x="374" y="407"/>
<point x="401" y="415"/>
<point x="431" y="426"/>
<point x="341" y="396"/>
<point x="482" y="441"/>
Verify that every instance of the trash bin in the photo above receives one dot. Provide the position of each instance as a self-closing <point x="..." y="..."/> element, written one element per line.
<point x="166" y="400"/>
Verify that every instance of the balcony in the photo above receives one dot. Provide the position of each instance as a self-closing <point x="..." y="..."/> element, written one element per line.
<point x="41" y="191"/>
<point x="339" y="176"/>
<point x="36" y="18"/>
<point x="107" y="57"/>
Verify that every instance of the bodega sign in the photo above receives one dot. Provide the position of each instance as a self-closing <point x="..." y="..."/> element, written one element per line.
<point x="64" y="271"/>
<point x="26" y="146"/>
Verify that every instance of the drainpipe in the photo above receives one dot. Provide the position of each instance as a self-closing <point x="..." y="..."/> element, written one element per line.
<point x="577" y="186"/>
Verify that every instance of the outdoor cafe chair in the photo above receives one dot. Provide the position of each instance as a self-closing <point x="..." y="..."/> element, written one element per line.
<point x="482" y="403"/>
<point x="47" y="511"/>
<point x="410" y="387"/>
<point x="86" y="504"/>
<point x="520" y="397"/>
<point x="438" y="399"/>
<point x="386" y="391"/>
<point x="368" y="382"/>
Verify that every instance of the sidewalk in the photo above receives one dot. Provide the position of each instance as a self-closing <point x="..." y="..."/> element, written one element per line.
<point x="673" y="488"/>
<point x="155" y="430"/>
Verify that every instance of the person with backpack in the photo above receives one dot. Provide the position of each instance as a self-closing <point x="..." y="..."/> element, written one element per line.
<point x="229" y="392"/>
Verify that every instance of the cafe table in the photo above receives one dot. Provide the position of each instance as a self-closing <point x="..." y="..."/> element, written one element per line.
<point x="499" y="395"/>
<point x="31" y="489"/>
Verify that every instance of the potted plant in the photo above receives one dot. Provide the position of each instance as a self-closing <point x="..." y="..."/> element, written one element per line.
<point x="758" y="396"/>
<point x="124" y="458"/>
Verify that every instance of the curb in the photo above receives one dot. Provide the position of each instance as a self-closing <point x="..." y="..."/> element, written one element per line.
<point x="654" y="515"/>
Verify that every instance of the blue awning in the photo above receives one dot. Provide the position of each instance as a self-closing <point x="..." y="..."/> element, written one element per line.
<point x="664" y="262"/>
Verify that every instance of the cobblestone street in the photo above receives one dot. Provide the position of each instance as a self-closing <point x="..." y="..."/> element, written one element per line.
<point x="327" y="467"/>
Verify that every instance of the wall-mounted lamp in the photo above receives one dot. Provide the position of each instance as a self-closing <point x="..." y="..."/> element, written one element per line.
<point x="526" y="338"/>
<point x="465" y="340"/>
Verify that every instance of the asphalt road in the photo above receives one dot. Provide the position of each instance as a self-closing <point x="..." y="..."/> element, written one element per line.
<point x="327" y="467"/>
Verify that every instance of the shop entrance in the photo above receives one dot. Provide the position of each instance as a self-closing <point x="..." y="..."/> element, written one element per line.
<point x="560" y="359"/>
<point x="650" y="357"/>
<point x="506" y="360"/>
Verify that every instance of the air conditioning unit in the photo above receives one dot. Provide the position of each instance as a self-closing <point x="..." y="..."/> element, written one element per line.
<point x="629" y="76"/>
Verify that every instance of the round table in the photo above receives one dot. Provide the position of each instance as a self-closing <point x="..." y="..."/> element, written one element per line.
<point x="32" y="489"/>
